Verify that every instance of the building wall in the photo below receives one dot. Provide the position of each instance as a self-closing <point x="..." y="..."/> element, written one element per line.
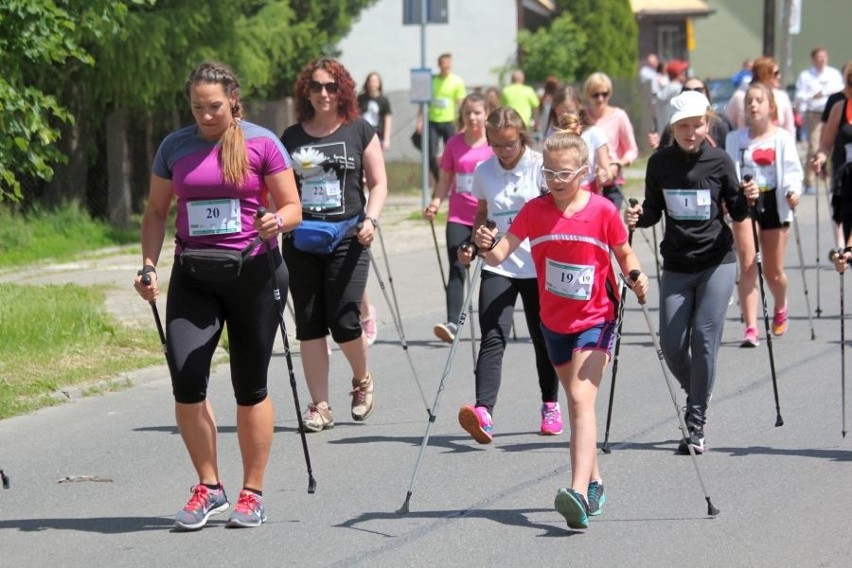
<point x="735" y="32"/>
<point x="480" y="34"/>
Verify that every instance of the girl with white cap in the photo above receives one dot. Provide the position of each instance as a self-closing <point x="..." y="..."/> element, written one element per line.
<point x="692" y="182"/>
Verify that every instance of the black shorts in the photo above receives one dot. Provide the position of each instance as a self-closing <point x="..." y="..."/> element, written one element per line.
<point x="767" y="211"/>
<point x="327" y="290"/>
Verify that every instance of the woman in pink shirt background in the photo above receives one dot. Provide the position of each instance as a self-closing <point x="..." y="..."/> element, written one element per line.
<point x="597" y="91"/>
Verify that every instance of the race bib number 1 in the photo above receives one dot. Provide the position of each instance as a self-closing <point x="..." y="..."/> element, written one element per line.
<point x="688" y="204"/>
<point x="214" y="217"/>
<point x="572" y="281"/>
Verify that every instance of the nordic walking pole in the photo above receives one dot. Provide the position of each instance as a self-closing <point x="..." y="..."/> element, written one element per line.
<point x="816" y="213"/>
<point x="390" y="275"/>
<point x="472" y="327"/>
<point x="759" y="259"/>
<point x="711" y="510"/>
<point x="477" y="269"/>
<point x="276" y="293"/>
<point x="831" y="256"/>
<point x="146" y="280"/>
<point x="802" y="267"/>
<point x="397" y="324"/>
<point x="633" y="203"/>
<point x="438" y="252"/>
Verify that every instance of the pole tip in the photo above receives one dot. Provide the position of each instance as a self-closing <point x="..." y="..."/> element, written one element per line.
<point x="404" y="509"/>
<point x="711" y="510"/>
<point x="312" y="486"/>
<point x="779" y="421"/>
<point x="844" y="433"/>
<point x="606" y="450"/>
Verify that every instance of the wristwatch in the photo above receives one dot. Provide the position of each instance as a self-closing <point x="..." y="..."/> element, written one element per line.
<point x="146" y="269"/>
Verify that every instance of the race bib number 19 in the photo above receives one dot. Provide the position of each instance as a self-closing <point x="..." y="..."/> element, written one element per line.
<point x="572" y="281"/>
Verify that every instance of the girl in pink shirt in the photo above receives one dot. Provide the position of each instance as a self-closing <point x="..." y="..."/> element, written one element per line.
<point x="462" y="154"/>
<point x="572" y="234"/>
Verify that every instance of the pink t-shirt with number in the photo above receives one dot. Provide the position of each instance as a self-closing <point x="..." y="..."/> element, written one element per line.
<point x="462" y="159"/>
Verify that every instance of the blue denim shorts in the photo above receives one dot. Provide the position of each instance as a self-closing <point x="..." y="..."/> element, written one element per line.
<point x="561" y="346"/>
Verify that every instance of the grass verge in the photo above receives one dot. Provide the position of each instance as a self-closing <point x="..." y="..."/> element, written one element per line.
<point x="55" y="337"/>
<point x="40" y="236"/>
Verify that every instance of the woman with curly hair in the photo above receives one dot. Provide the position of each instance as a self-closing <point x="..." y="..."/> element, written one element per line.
<point x="335" y="152"/>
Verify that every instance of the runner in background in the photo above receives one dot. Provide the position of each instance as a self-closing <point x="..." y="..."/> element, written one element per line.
<point x="597" y="91"/>
<point x="464" y="151"/>
<point x="521" y="97"/>
<point x="448" y="91"/>
<point x="769" y="155"/>
<point x="376" y="110"/>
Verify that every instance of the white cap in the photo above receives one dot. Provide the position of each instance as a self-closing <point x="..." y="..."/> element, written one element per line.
<point x="688" y="104"/>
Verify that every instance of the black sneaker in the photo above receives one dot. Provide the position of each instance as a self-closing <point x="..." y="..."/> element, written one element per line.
<point x="573" y="507"/>
<point x="597" y="498"/>
<point x="695" y="439"/>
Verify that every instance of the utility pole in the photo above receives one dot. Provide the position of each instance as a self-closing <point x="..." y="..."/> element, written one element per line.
<point x="769" y="28"/>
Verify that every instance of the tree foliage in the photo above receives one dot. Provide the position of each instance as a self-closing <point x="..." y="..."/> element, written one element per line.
<point x="74" y="61"/>
<point x="614" y="36"/>
<point x="555" y="50"/>
<point x="36" y="38"/>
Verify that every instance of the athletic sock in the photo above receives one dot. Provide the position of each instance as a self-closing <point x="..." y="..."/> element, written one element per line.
<point x="255" y="491"/>
<point x="216" y="487"/>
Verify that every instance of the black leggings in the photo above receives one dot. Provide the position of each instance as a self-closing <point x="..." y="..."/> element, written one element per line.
<point x="497" y="296"/>
<point x="457" y="235"/>
<point x="444" y="131"/>
<point x="327" y="290"/>
<point x="195" y="315"/>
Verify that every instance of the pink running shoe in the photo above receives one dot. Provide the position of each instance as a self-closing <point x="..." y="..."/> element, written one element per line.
<point x="751" y="338"/>
<point x="551" y="419"/>
<point x="477" y="422"/>
<point x="779" y="321"/>
<point x="368" y="325"/>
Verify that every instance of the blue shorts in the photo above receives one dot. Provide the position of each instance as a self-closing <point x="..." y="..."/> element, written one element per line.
<point x="561" y="346"/>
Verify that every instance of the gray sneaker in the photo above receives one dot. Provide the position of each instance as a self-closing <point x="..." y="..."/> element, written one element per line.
<point x="249" y="511"/>
<point x="446" y="332"/>
<point x="362" y="398"/>
<point x="203" y="503"/>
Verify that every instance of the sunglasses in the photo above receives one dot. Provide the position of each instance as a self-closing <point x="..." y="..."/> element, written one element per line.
<point x="701" y="90"/>
<point x="601" y="95"/>
<point x="317" y="87"/>
<point x="564" y="176"/>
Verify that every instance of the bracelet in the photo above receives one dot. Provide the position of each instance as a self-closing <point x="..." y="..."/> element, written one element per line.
<point x="374" y="221"/>
<point x="146" y="269"/>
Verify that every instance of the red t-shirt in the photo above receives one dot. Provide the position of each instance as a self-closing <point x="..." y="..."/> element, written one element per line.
<point x="577" y="287"/>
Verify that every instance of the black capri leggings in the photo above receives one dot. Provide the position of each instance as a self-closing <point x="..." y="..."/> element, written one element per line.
<point x="196" y="312"/>
<point x="327" y="290"/>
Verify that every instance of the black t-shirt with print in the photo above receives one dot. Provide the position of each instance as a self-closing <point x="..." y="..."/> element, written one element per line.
<point x="329" y="170"/>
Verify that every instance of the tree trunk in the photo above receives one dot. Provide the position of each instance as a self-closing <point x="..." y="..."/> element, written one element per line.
<point x="118" y="170"/>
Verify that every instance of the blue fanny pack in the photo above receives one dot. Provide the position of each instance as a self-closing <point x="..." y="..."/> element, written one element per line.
<point x="322" y="237"/>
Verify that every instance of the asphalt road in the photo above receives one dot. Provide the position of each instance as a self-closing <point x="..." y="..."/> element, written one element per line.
<point x="783" y="492"/>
